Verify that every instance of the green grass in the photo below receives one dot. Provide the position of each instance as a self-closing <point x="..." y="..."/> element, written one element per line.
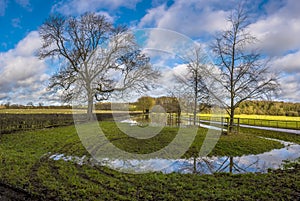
<point x="23" y="164"/>
<point x="273" y="134"/>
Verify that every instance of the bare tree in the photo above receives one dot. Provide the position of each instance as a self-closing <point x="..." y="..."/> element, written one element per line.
<point x="96" y="58"/>
<point x="194" y="83"/>
<point x="245" y="74"/>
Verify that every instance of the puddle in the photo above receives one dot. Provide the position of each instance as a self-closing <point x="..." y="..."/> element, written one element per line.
<point x="131" y="122"/>
<point x="206" y="165"/>
<point x="134" y="123"/>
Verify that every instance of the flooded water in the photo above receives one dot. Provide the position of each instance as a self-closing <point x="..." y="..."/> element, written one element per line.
<point x="206" y="165"/>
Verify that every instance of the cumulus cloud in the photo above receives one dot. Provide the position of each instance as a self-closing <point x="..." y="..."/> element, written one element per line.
<point x="290" y="86"/>
<point x="22" y="73"/>
<point x="188" y="17"/>
<point x="71" y="7"/>
<point x="279" y="31"/>
<point x="289" y="63"/>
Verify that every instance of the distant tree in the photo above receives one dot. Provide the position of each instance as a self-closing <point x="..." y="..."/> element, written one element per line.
<point x="145" y="103"/>
<point x="244" y="73"/>
<point x="170" y="104"/>
<point x="7" y="105"/>
<point x="193" y="83"/>
<point x="96" y="58"/>
<point x="30" y="104"/>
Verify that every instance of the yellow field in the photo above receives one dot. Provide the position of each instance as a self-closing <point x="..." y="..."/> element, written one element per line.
<point x="262" y="117"/>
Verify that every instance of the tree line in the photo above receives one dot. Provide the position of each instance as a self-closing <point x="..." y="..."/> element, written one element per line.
<point x="31" y="105"/>
<point x="171" y="104"/>
<point x="269" y="108"/>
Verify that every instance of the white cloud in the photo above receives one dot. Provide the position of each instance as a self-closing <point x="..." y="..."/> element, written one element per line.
<point x="188" y="17"/>
<point x="71" y="7"/>
<point x="22" y="73"/>
<point x="290" y="86"/>
<point x="153" y="15"/>
<point x="279" y="31"/>
<point x="29" y="45"/>
<point x="289" y="63"/>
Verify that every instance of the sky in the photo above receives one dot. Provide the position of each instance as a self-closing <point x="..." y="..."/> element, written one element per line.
<point x="23" y="77"/>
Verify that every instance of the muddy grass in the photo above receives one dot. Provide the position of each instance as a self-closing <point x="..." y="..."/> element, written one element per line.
<point x="276" y="185"/>
<point x="10" y="193"/>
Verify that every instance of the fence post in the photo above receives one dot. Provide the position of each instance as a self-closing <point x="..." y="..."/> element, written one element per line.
<point x="228" y="125"/>
<point x="222" y="124"/>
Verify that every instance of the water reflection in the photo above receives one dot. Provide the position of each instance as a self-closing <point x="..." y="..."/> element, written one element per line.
<point x="205" y="165"/>
<point x="215" y="165"/>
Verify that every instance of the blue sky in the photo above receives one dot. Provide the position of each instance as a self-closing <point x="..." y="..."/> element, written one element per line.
<point x="23" y="77"/>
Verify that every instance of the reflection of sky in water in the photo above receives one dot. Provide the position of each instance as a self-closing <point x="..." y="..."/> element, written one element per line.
<point x="206" y="165"/>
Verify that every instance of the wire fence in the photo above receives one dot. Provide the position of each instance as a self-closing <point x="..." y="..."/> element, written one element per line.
<point x="286" y="124"/>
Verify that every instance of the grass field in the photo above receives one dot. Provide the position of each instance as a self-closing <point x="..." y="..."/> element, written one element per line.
<point x="25" y="164"/>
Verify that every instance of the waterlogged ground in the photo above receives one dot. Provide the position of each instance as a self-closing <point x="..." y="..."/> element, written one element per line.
<point x="31" y="169"/>
<point x="259" y="163"/>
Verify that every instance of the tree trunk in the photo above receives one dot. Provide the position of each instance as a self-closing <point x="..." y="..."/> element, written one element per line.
<point x="231" y="165"/>
<point x="231" y="121"/>
<point x="195" y="165"/>
<point x="178" y="117"/>
<point x="195" y="105"/>
<point x="90" y="107"/>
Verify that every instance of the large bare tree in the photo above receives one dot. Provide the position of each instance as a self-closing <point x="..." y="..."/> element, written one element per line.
<point x="95" y="58"/>
<point x="245" y="73"/>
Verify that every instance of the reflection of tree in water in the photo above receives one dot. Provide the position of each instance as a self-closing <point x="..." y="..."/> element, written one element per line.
<point x="234" y="166"/>
<point x="205" y="165"/>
